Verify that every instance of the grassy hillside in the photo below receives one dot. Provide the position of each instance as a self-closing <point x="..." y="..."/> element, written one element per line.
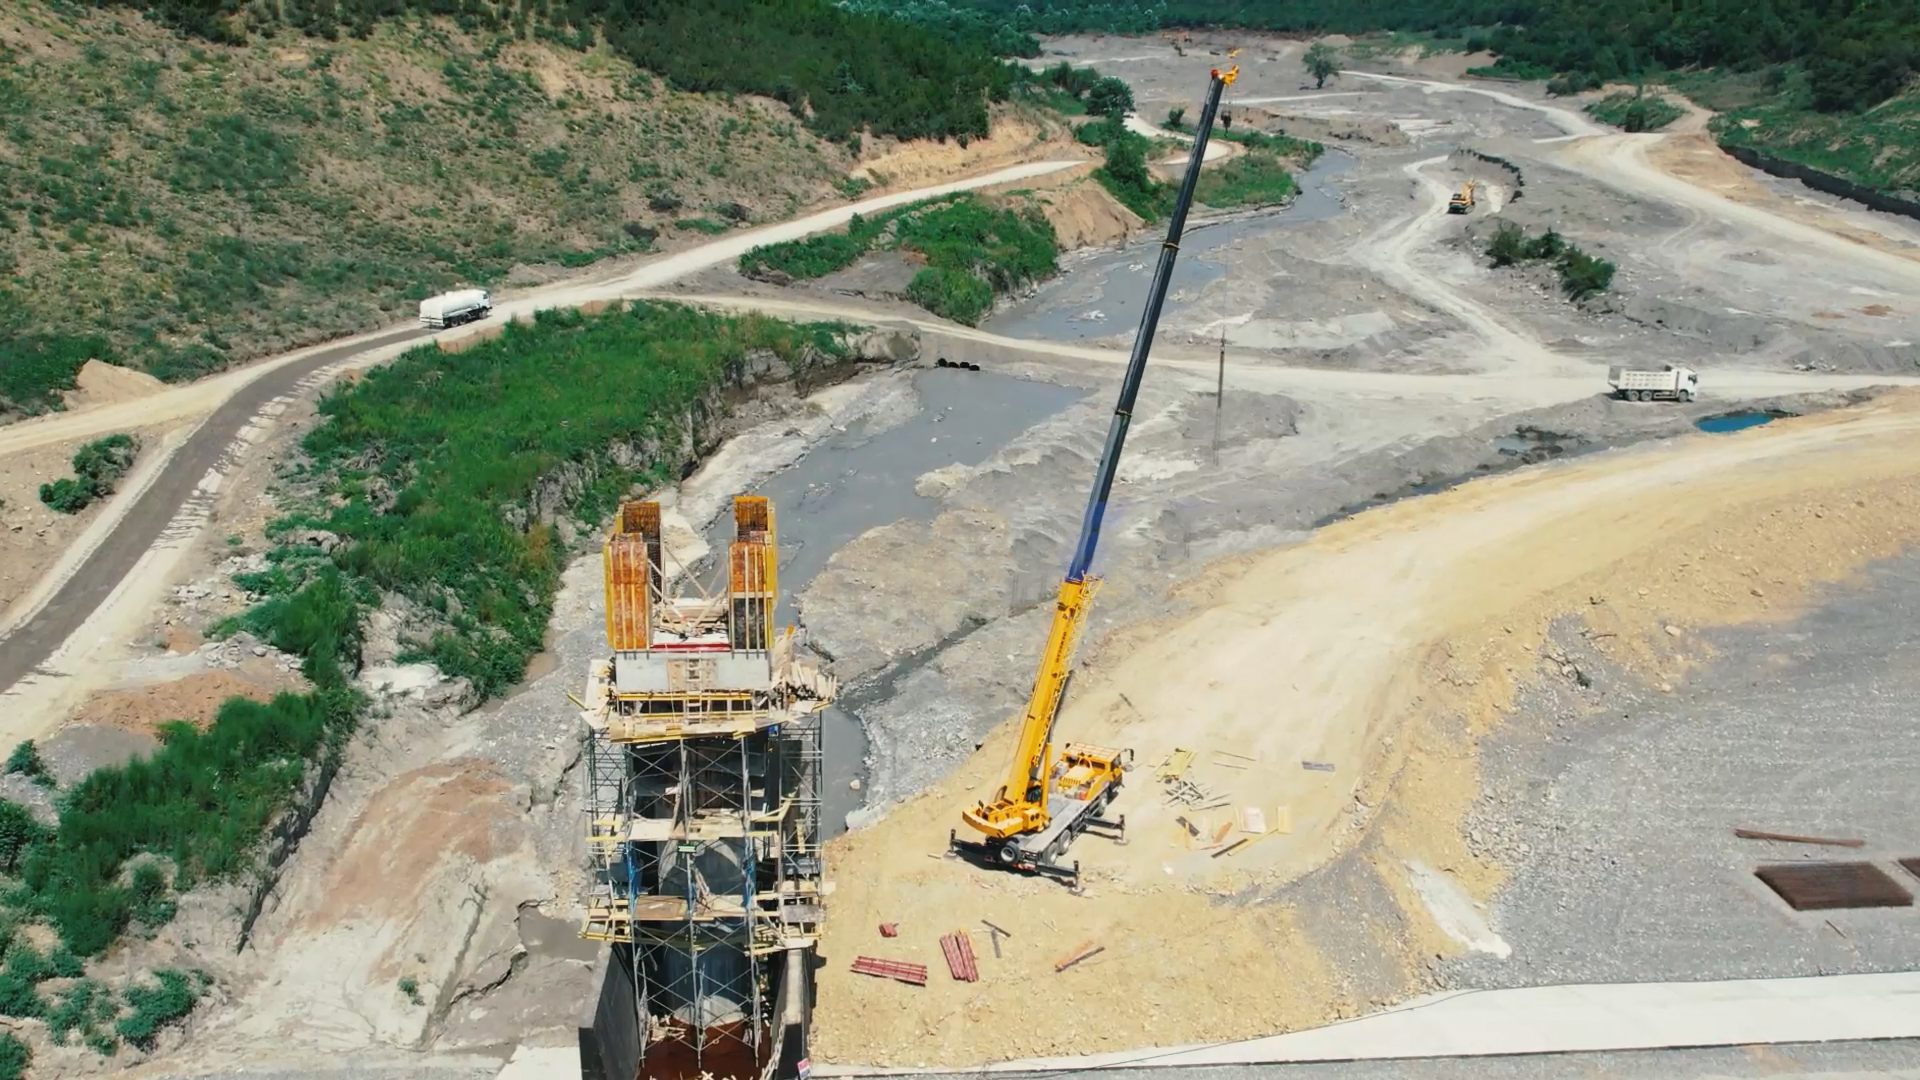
<point x="179" y="205"/>
<point x="1769" y="111"/>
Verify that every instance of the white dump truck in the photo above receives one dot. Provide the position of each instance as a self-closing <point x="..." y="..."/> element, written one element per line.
<point x="1673" y="382"/>
<point x="454" y="308"/>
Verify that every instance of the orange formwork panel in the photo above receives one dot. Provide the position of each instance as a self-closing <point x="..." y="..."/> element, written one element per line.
<point x="632" y="560"/>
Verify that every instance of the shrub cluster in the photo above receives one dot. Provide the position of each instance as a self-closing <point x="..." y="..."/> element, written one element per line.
<point x="97" y="466"/>
<point x="1580" y="274"/>
<point x="974" y="251"/>
<point x="1635" y="111"/>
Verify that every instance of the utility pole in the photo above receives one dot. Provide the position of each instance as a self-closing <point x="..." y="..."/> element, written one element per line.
<point x="1220" y="393"/>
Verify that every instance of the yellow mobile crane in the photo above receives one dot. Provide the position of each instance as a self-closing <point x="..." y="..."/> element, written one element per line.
<point x="1052" y="794"/>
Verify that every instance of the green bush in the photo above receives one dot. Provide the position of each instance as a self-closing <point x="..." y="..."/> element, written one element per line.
<point x="97" y="466"/>
<point x="25" y="761"/>
<point x="1573" y="82"/>
<point x="952" y="294"/>
<point x="997" y="249"/>
<point x="1636" y="111"/>
<point x="19" y="832"/>
<point x="1126" y="178"/>
<point x="155" y="1007"/>
<point x="148" y="901"/>
<point x="1509" y="244"/>
<point x="1548" y="245"/>
<point x="1101" y="132"/>
<point x="202" y="800"/>
<point x="1581" y="275"/>
<point x="14" y="1057"/>
<point x="1111" y="98"/>
<point x="86" y="1007"/>
<point x="815" y="256"/>
<point x="67" y="495"/>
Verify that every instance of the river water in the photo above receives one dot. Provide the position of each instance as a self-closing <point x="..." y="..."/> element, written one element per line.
<point x="861" y="479"/>
<point x="1103" y="295"/>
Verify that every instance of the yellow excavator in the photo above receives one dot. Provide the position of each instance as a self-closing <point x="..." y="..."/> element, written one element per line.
<point x="1053" y="794"/>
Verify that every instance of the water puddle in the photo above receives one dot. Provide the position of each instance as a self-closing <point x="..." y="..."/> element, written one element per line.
<point x="1104" y="295"/>
<point x="860" y="479"/>
<point x="1738" y="421"/>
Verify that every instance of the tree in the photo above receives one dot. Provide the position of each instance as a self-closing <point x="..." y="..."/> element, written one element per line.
<point x="1322" y="63"/>
<point x="1127" y="163"/>
<point x="1175" y="116"/>
<point x="1110" y="97"/>
<point x="26" y="761"/>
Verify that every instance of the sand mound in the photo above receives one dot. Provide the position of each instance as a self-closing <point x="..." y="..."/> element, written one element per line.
<point x="101" y="383"/>
<point x="1368" y="649"/>
<point x="1082" y="213"/>
<point x="1017" y="136"/>
<point x="195" y="699"/>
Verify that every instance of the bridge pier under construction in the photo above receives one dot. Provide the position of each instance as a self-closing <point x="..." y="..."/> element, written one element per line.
<point x="702" y="800"/>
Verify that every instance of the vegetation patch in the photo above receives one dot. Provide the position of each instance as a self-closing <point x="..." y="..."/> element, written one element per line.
<point x="97" y="467"/>
<point x="1254" y="178"/>
<point x="1124" y="173"/>
<point x="974" y="251"/>
<point x="25" y="761"/>
<point x="1581" y="275"/>
<point x="440" y="473"/>
<point x="1074" y="91"/>
<point x="1636" y="111"/>
<point x="1301" y="152"/>
<point x="151" y="1008"/>
<point x="1773" y="112"/>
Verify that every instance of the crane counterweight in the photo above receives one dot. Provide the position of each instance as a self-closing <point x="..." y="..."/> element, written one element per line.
<point x="1052" y="795"/>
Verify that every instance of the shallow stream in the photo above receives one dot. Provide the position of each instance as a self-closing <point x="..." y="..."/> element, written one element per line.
<point x="1103" y="296"/>
<point x="861" y="479"/>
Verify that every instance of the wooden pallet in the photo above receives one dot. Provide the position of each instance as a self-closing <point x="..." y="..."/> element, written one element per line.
<point x="959" y="950"/>
<point x="915" y="974"/>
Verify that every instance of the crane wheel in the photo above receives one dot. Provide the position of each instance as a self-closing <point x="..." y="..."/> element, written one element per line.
<point x="1009" y="853"/>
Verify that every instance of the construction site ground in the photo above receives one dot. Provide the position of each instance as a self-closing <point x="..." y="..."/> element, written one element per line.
<point x="1419" y="531"/>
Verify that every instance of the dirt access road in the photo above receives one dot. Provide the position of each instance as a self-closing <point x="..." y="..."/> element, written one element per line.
<point x="1383" y="647"/>
<point x="57" y="636"/>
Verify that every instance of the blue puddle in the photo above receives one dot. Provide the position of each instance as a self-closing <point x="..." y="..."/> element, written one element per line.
<point x="1737" y="421"/>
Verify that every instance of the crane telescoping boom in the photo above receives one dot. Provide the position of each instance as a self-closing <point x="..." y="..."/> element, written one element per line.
<point x="1052" y="796"/>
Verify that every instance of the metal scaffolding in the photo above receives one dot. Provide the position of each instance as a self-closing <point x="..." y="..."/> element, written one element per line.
<point x="702" y="800"/>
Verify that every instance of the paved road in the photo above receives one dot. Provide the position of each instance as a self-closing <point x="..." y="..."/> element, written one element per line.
<point x="27" y="647"/>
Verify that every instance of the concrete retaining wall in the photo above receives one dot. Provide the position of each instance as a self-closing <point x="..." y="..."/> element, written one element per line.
<point x="1824" y="181"/>
<point x="610" y="1026"/>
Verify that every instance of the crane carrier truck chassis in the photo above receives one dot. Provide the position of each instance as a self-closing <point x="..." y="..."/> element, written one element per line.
<point x="1052" y="795"/>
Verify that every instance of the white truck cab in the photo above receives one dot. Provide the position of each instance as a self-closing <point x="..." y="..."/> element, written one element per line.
<point x="1673" y="382"/>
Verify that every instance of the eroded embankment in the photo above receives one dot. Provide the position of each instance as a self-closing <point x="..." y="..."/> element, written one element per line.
<point x="1385" y="647"/>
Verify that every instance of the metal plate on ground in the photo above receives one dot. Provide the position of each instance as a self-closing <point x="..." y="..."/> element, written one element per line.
<point x="1821" y="886"/>
<point x="1911" y="866"/>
